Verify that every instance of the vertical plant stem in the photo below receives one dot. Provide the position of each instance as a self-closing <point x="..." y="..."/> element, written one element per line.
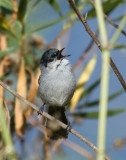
<point x="104" y="83"/>
<point x="6" y="135"/>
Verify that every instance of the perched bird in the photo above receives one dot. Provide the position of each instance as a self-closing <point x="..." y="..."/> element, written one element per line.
<point x="56" y="87"/>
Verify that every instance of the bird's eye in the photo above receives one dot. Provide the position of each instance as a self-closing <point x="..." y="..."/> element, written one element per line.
<point x="51" y="59"/>
<point x="54" y="55"/>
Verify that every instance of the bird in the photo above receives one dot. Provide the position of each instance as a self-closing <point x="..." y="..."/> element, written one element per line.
<point x="57" y="84"/>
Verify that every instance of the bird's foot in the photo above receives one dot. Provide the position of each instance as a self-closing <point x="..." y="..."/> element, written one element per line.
<point x="41" y="109"/>
<point x="68" y="128"/>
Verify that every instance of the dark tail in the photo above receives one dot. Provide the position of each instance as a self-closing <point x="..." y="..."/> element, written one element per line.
<point x="54" y="130"/>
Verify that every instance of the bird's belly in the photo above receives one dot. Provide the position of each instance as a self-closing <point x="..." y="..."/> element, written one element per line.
<point x="57" y="89"/>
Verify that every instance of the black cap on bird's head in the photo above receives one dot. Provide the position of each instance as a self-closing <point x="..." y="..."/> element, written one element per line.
<point x="51" y="55"/>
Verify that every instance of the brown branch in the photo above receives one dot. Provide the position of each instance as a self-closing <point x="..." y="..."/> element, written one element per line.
<point x="46" y="146"/>
<point x="73" y="146"/>
<point x="118" y="74"/>
<point x="84" y="21"/>
<point x="109" y="20"/>
<point x="78" y="149"/>
<point x="113" y="24"/>
<point x="52" y="118"/>
<point x="66" y="142"/>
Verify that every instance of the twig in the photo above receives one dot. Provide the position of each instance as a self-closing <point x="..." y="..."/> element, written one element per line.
<point x="113" y="24"/>
<point x="66" y="142"/>
<point x="46" y="146"/>
<point x="78" y="149"/>
<point x="109" y="20"/>
<point x="73" y="146"/>
<point x="52" y="118"/>
<point x="56" y="145"/>
<point x="83" y="20"/>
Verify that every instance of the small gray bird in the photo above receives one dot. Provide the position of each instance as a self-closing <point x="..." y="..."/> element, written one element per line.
<point x="56" y="87"/>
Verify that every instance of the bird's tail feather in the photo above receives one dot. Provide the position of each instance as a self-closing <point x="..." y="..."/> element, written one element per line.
<point x="54" y="130"/>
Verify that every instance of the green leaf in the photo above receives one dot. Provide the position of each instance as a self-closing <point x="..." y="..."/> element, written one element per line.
<point x="55" y="5"/>
<point x="47" y="25"/>
<point x="108" y="6"/>
<point x="5" y="27"/>
<point x="90" y="88"/>
<point x="22" y="10"/>
<point x="94" y="115"/>
<point x="67" y="15"/>
<point x="119" y="46"/>
<point x="6" y="4"/>
<point x="96" y="102"/>
<point x="7" y="51"/>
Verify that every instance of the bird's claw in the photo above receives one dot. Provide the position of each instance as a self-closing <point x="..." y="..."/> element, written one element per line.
<point x="41" y="109"/>
<point x="68" y="128"/>
<point x="40" y="112"/>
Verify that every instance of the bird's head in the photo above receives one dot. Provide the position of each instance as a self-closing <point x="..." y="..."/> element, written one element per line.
<point x="51" y="55"/>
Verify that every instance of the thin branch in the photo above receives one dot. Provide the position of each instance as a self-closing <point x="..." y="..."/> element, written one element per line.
<point x="52" y="118"/>
<point x="113" y="24"/>
<point x="56" y="146"/>
<point x="118" y="74"/>
<point x="78" y="149"/>
<point x="73" y="146"/>
<point x="66" y="142"/>
<point x="46" y="147"/>
<point x="109" y="20"/>
<point x="83" y="20"/>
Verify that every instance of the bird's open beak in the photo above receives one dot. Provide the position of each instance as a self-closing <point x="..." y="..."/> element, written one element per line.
<point x="60" y="56"/>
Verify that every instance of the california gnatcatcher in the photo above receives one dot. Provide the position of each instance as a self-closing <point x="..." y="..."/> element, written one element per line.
<point x="56" y="87"/>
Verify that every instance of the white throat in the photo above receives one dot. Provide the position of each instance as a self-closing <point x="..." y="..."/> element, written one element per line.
<point x="57" y="65"/>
